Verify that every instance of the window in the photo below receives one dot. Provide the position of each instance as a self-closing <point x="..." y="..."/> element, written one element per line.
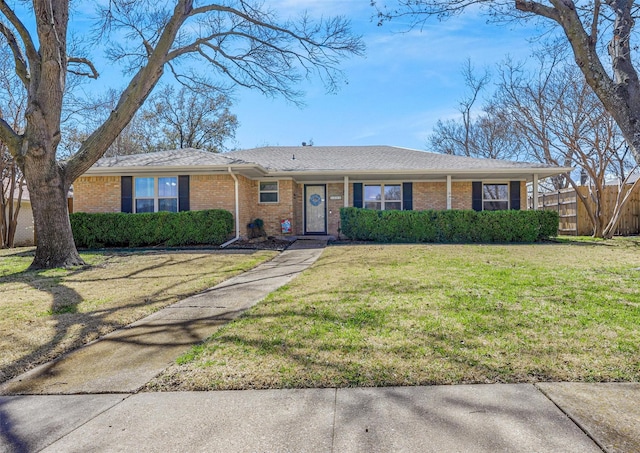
<point x="156" y="194"/>
<point x="495" y="197"/>
<point x="383" y="196"/>
<point x="269" y="192"/>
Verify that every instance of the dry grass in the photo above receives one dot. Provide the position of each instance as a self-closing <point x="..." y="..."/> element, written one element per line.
<point x="46" y="313"/>
<point x="434" y="314"/>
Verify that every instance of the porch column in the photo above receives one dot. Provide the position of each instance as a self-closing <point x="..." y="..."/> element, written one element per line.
<point x="346" y="192"/>
<point x="448" y="191"/>
<point x="535" y="192"/>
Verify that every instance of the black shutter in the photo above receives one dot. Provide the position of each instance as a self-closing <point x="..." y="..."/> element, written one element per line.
<point x="126" y="194"/>
<point x="357" y="194"/>
<point x="514" y="194"/>
<point x="476" y="195"/>
<point x="407" y="196"/>
<point x="183" y="193"/>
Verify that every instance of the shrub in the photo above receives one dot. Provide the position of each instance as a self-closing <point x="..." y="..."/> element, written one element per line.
<point x="448" y="226"/>
<point x="211" y="227"/>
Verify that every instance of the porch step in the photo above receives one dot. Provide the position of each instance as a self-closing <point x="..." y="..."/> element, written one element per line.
<point x="316" y="237"/>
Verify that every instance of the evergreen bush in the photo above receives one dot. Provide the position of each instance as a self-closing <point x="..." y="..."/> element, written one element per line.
<point x="452" y="226"/>
<point x="211" y="227"/>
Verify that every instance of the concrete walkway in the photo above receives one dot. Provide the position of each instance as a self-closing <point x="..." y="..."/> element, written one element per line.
<point x="88" y="400"/>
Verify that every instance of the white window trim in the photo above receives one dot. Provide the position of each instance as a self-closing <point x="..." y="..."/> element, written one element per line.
<point x="156" y="195"/>
<point x="382" y="193"/>
<point x="502" y="183"/>
<point x="277" y="192"/>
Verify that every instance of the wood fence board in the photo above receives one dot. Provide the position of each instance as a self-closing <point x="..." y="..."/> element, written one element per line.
<point x="574" y="219"/>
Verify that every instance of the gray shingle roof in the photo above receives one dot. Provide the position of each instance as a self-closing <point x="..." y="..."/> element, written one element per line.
<point x="322" y="161"/>
<point x="366" y="158"/>
<point x="175" y="158"/>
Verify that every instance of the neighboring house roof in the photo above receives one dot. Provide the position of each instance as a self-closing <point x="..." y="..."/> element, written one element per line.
<point x="632" y="178"/>
<point x="326" y="162"/>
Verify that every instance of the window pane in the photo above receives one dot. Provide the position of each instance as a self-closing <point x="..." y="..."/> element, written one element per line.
<point x="388" y="206"/>
<point x="144" y="187"/>
<point x="268" y="186"/>
<point x="392" y="193"/>
<point x="269" y="197"/>
<point x="144" y="205"/>
<point x="372" y="193"/>
<point x="496" y="205"/>
<point x="168" y="187"/>
<point x="168" y="204"/>
<point x="495" y="192"/>
<point x="373" y="205"/>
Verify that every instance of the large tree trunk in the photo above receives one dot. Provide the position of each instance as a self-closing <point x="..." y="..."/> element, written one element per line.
<point x="48" y="192"/>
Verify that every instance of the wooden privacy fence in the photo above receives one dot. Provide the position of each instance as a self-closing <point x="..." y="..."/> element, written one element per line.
<point x="574" y="219"/>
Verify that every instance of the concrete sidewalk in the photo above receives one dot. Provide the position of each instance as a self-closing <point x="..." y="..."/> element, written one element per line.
<point x="462" y="418"/>
<point x="88" y="400"/>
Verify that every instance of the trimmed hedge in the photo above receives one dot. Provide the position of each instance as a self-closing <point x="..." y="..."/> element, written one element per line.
<point x="448" y="226"/>
<point x="150" y="229"/>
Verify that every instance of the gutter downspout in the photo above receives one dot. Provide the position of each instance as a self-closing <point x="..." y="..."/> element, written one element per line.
<point x="237" y="213"/>
<point x="535" y="192"/>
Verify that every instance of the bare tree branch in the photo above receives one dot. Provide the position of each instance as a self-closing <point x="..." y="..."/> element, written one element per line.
<point x="538" y="9"/>
<point x="25" y="36"/>
<point x="617" y="88"/>
<point x="85" y="61"/>
<point x="22" y="70"/>
<point x="10" y="138"/>
<point x="131" y="99"/>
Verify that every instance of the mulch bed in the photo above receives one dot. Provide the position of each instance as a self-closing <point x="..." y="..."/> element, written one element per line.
<point x="269" y="243"/>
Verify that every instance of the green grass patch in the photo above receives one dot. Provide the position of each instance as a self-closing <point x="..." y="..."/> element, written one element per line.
<point x="382" y="315"/>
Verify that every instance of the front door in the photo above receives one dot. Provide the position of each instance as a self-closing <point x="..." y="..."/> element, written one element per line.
<point x="315" y="207"/>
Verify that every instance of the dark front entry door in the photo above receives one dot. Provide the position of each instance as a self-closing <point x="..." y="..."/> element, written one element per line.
<point x="315" y="207"/>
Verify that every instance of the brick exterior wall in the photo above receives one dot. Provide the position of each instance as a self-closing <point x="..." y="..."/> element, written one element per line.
<point x="297" y="225"/>
<point x="102" y="194"/>
<point x="247" y="196"/>
<point x="460" y="195"/>
<point x="429" y="195"/>
<point x="96" y="194"/>
<point x="333" y="207"/>
<point x="211" y="192"/>
<point x="523" y="196"/>
<point x="274" y="213"/>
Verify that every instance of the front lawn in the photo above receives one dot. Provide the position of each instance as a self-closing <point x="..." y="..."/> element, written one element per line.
<point x="46" y="313"/>
<point x="382" y="315"/>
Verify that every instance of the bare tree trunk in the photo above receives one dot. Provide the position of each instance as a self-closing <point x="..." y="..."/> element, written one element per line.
<point x="48" y="192"/>
<point x="10" y="203"/>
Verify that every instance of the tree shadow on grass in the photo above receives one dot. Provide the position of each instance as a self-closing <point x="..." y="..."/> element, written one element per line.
<point x="74" y="328"/>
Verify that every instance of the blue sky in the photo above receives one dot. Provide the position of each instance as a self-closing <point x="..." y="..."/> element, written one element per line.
<point x="406" y="82"/>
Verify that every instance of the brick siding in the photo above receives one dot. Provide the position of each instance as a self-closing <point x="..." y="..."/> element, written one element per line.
<point x="96" y="194"/>
<point x="102" y="194"/>
<point x="274" y="213"/>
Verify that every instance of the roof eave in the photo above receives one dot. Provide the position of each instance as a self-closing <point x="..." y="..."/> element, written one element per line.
<point x="542" y="172"/>
<point x="188" y="169"/>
